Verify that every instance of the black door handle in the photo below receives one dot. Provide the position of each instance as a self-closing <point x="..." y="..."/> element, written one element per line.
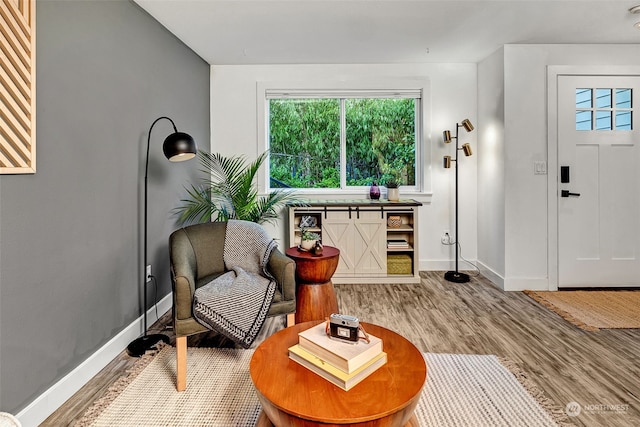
<point x="566" y="193"/>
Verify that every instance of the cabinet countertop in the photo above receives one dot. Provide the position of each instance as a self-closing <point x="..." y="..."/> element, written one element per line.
<point x="354" y="202"/>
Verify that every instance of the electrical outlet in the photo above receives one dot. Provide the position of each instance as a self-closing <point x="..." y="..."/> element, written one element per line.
<point x="148" y="272"/>
<point x="445" y="239"/>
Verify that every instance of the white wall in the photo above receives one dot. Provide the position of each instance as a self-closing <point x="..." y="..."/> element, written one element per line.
<point x="525" y="141"/>
<point x="453" y="89"/>
<point x="491" y="168"/>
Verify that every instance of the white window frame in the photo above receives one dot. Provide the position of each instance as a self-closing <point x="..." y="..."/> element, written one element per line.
<point x="343" y="89"/>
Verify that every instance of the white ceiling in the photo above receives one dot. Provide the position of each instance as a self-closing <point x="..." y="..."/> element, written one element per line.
<point x="393" y="31"/>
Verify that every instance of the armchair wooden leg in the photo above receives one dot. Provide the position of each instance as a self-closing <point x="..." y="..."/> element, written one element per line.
<point x="291" y="319"/>
<point x="181" y="363"/>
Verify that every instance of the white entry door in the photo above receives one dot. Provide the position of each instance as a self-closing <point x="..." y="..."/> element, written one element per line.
<point x="598" y="181"/>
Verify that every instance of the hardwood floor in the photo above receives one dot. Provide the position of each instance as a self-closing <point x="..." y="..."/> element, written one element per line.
<point x="598" y="370"/>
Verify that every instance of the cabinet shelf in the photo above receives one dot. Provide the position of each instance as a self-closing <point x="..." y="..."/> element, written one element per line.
<point x="312" y="229"/>
<point x="402" y="228"/>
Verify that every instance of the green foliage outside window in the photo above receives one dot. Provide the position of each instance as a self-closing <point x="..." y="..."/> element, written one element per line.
<point x="305" y="142"/>
<point x="380" y="141"/>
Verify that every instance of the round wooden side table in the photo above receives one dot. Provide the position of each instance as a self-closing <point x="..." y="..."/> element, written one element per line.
<point x="293" y="396"/>
<point x="315" y="295"/>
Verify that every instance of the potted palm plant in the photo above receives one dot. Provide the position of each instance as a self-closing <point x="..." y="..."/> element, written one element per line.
<point x="228" y="191"/>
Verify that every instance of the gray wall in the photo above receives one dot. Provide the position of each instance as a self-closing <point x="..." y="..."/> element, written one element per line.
<point x="71" y="235"/>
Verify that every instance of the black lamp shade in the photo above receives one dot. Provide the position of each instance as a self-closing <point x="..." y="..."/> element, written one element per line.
<point x="179" y="146"/>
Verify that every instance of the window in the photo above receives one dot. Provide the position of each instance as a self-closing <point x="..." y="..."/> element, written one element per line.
<point x="329" y="140"/>
<point x="603" y="109"/>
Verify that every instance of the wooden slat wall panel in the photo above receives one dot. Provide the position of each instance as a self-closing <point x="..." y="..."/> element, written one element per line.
<point x="17" y="87"/>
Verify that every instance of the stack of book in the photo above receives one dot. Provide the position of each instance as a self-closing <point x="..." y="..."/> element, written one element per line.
<point x="398" y="244"/>
<point x="344" y="364"/>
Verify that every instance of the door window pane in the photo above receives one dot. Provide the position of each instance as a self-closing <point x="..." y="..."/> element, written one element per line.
<point x="623" y="98"/>
<point x="603" y="120"/>
<point x="583" y="120"/>
<point x="603" y="98"/>
<point x="583" y="98"/>
<point x="623" y="120"/>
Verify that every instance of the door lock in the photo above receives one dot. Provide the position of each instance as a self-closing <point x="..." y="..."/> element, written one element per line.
<point x="566" y="193"/>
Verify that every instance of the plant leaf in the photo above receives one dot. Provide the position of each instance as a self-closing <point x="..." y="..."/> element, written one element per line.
<point x="229" y="191"/>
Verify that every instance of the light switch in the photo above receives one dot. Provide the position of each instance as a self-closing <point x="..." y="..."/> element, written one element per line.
<point x="539" y="167"/>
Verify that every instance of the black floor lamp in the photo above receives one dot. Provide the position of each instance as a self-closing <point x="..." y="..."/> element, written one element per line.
<point x="177" y="147"/>
<point x="456" y="276"/>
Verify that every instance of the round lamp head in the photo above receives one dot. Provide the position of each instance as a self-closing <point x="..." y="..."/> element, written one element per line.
<point x="179" y="147"/>
<point x="466" y="124"/>
<point x="466" y="148"/>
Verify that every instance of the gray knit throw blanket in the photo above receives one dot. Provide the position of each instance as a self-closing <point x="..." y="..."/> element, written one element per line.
<point x="236" y="303"/>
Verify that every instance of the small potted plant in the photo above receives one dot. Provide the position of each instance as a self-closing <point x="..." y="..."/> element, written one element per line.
<point x="308" y="239"/>
<point x="393" y="194"/>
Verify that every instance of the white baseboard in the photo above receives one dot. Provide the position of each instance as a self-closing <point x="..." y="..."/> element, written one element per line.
<point x="505" y="284"/>
<point x="491" y="275"/>
<point x="526" y="284"/>
<point x="445" y="265"/>
<point x="45" y="404"/>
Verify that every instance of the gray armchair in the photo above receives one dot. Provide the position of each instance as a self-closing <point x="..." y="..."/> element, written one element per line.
<point x="196" y="257"/>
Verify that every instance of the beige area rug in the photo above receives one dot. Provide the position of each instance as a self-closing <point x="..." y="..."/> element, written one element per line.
<point x="594" y="310"/>
<point x="461" y="390"/>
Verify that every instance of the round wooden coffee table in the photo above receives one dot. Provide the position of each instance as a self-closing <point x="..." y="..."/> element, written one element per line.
<point x="315" y="295"/>
<point x="292" y="395"/>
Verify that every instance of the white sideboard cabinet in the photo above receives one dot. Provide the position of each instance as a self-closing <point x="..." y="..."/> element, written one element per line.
<point x="378" y="240"/>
